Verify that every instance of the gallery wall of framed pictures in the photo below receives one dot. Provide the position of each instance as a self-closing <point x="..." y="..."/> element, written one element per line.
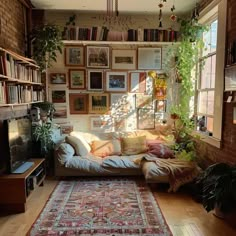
<point x="105" y="81"/>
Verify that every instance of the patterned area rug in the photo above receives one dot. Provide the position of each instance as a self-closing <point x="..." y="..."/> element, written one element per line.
<point x="101" y="207"/>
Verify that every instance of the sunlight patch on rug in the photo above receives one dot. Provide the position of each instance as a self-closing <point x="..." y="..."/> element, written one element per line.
<point x="101" y="207"/>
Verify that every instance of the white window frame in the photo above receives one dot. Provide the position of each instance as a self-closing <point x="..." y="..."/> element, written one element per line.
<point x="218" y="7"/>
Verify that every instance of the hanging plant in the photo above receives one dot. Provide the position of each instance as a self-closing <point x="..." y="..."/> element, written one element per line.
<point x="46" y="42"/>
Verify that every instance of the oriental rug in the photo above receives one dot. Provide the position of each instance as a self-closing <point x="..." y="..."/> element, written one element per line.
<point x="101" y="207"/>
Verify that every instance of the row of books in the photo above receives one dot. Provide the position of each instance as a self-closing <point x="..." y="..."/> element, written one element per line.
<point x="17" y="69"/>
<point x="104" y="34"/>
<point x="15" y="94"/>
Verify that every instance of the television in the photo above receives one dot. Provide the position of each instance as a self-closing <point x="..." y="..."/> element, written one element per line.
<point x="19" y="142"/>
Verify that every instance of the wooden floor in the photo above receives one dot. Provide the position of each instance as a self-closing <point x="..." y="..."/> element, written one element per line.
<point x="184" y="216"/>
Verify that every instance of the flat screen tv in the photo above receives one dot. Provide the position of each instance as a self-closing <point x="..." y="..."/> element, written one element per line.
<point x="19" y="142"/>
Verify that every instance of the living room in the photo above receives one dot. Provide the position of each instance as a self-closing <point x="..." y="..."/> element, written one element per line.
<point x="73" y="86"/>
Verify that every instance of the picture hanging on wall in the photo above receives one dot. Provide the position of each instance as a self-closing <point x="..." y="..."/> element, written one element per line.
<point x="143" y="100"/>
<point x="77" y="79"/>
<point x="101" y="123"/>
<point x="95" y="80"/>
<point x="78" y="103"/>
<point x="61" y="112"/>
<point x="145" y="118"/>
<point x="98" y="57"/>
<point x="66" y="128"/>
<point x="74" y="56"/>
<point x="58" y="96"/>
<point x="98" y="103"/>
<point x="116" y="81"/>
<point x="57" y="78"/>
<point x="124" y="59"/>
<point x="160" y="105"/>
<point x="149" y="58"/>
<point x="137" y="82"/>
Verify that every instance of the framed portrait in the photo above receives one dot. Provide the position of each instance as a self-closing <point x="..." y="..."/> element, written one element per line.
<point x="58" y="96"/>
<point x="98" y="57"/>
<point x="61" y="112"/>
<point x="74" y="56"/>
<point x="145" y="118"/>
<point x="149" y="58"/>
<point x="78" y="103"/>
<point x="137" y="82"/>
<point x="95" y="80"/>
<point x="57" y="78"/>
<point x="116" y="81"/>
<point x="160" y="106"/>
<point x="77" y="79"/>
<point x="124" y="59"/>
<point x="101" y="123"/>
<point x="98" y="103"/>
<point x="143" y="100"/>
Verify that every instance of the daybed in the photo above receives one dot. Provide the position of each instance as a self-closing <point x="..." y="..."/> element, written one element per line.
<point x="114" y="154"/>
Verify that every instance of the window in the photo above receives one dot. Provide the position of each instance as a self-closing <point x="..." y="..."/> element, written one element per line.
<point x="210" y="86"/>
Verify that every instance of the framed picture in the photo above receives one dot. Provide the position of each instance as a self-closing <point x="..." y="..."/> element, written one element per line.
<point x="66" y="128"/>
<point x="57" y="78"/>
<point x="58" y="96"/>
<point x="77" y="79"/>
<point x="74" y="56"/>
<point x="101" y="123"/>
<point x="95" y="80"/>
<point x="118" y="99"/>
<point x="143" y="100"/>
<point x="230" y="79"/>
<point x="98" y="57"/>
<point x="78" y="103"/>
<point x="61" y="112"/>
<point x="116" y="81"/>
<point x="160" y="106"/>
<point x="137" y="82"/>
<point x="98" y="103"/>
<point x="124" y="59"/>
<point x="149" y="58"/>
<point x="145" y="118"/>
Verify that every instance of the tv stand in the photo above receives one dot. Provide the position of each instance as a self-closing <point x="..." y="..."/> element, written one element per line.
<point x="16" y="188"/>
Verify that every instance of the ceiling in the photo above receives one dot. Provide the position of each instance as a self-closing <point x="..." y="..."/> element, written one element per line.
<point x="124" y="6"/>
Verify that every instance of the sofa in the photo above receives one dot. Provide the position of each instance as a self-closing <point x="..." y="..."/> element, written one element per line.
<point x="120" y="154"/>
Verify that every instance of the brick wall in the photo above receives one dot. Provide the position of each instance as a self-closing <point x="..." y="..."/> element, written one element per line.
<point x="12" y="30"/>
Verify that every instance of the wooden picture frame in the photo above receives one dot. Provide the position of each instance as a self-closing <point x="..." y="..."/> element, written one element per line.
<point x="137" y="82"/>
<point x="77" y="79"/>
<point x="101" y="123"/>
<point x="160" y="106"/>
<point x="98" y="103"/>
<point x="143" y="101"/>
<point x="61" y="112"/>
<point x="95" y="80"/>
<point x="98" y="57"/>
<point x="116" y="81"/>
<point x="58" y="96"/>
<point x="124" y="59"/>
<point x="74" y="55"/>
<point x="149" y="58"/>
<point x="78" y="103"/>
<point x="145" y="118"/>
<point x="57" y="78"/>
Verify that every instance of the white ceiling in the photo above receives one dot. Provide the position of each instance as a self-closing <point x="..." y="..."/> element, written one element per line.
<point x="124" y="6"/>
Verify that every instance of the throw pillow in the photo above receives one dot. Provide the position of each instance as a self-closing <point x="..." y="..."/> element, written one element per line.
<point x="103" y="148"/>
<point x="64" y="152"/>
<point x="80" y="145"/>
<point x="134" y="145"/>
<point x="160" y="150"/>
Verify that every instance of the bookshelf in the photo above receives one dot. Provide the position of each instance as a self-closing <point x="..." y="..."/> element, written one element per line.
<point x="20" y="79"/>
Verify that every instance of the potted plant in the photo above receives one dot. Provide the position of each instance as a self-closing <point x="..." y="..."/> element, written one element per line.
<point x="218" y="184"/>
<point x="46" y="42"/>
<point x="47" y="109"/>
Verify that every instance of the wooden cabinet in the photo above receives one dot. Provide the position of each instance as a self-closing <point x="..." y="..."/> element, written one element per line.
<point x="15" y="189"/>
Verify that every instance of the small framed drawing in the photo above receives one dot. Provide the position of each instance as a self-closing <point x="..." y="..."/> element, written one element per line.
<point x="149" y="58"/>
<point x="124" y="59"/>
<point x="116" y="81"/>
<point x="137" y="82"/>
<point x="61" y="112"/>
<point x="77" y="79"/>
<point x="98" y="103"/>
<point x="57" y="78"/>
<point x="78" y="103"/>
<point x="143" y="100"/>
<point x="98" y="57"/>
<point x="74" y="56"/>
<point x="101" y="123"/>
<point x="145" y="118"/>
<point x="58" y="96"/>
<point x="95" y="80"/>
<point x="160" y="106"/>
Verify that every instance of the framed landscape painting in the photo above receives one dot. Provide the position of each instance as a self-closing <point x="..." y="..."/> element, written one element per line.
<point x="77" y="79"/>
<point x="101" y="123"/>
<point x="98" y="103"/>
<point x="124" y="59"/>
<point x="74" y="56"/>
<point x="57" y="78"/>
<point x="58" y="96"/>
<point x="116" y="81"/>
<point x="78" y="103"/>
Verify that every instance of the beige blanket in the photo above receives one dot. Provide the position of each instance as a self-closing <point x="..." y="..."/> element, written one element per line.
<point x="179" y="171"/>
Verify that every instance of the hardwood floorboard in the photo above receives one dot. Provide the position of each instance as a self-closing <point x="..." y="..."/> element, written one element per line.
<point x="185" y="216"/>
